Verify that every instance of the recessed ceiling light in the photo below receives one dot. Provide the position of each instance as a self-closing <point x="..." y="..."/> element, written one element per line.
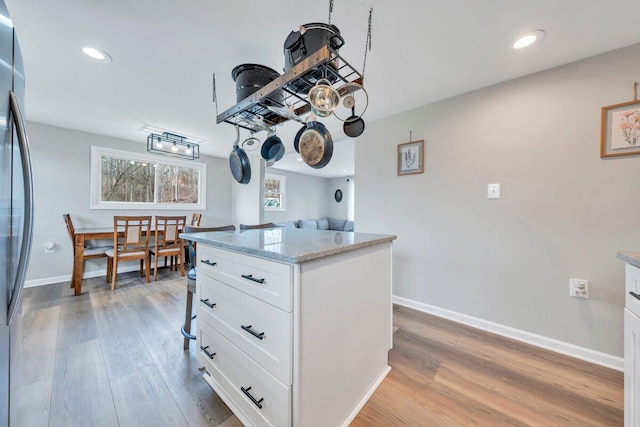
<point x="299" y="159"/>
<point x="528" y="39"/>
<point x="96" y="54"/>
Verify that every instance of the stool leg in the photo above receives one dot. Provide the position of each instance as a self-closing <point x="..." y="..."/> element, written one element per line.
<point x="187" y="318"/>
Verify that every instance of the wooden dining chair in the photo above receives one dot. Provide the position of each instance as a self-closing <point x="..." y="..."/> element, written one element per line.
<point x="89" y="252"/>
<point x="195" y="219"/>
<point x="256" y="226"/>
<point x="167" y="242"/>
<point x="131" y="236"/>
<point x="195" y="222"/>
<point x="191" y="279"/>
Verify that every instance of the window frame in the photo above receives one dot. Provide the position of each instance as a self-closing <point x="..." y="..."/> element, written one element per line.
<point x="96" y="181"/>
<point x="283" y="193"/>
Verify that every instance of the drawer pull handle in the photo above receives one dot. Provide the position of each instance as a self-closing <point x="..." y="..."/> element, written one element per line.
<point x="207" y="303"/>
<point x="211" y="263"/>
<point x="260" y="335"/>
<point x="633" y="294"/>
<point x="210" y="355"/>
<point x="250" y="277"/>
<point x="253" y="399"/>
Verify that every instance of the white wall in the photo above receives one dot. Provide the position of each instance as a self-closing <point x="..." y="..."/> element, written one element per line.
<point x="564" y="212"/>
<point x="307" y="197"/>
<point x="340" y="210"/>
<point x="61" y="172"/>
<point x="247" y="199"/>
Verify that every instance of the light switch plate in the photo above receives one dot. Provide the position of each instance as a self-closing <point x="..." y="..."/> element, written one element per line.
<point x="493" y="191"/>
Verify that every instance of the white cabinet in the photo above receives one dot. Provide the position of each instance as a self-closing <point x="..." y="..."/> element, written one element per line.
<point x="294" y="344"/>
<point x="632" y="347"/>
<point x="631" y="369"/>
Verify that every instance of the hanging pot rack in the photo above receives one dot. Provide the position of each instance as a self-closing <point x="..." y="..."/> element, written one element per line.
<point x="255" y="107"/>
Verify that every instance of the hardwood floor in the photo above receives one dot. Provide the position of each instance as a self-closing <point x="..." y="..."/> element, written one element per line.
<point x="115" y="358"/>
<point x="447" y="374"/>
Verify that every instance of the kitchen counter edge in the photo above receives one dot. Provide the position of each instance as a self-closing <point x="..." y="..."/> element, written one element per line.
<point x="632" y="258"/>
<point x="372" y="239"/>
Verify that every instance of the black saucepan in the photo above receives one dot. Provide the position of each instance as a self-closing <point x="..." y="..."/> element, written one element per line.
<point x="316" y="145"/>
<point x="239" y="162"/>
<point x="272" y="148"/>
<point x="354" y="125"/>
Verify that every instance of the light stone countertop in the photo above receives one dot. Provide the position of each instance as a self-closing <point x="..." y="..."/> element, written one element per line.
<point x="630" y="258"/>
<point x="289" y="245"/>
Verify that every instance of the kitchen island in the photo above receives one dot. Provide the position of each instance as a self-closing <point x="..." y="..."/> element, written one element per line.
<point x="294" y="326"/>
<point x="631" y="338"/>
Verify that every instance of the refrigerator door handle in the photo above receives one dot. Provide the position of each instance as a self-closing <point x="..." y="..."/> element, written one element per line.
<point x="25" y="248"/>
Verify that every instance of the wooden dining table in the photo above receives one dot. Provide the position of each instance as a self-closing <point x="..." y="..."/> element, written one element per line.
<point x="82" y="235"/>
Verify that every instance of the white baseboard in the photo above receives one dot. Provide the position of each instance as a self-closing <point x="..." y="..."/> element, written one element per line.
<point x="603" y="359"/>
<point x="67" y="277"/>
<point x="366" y="397"/>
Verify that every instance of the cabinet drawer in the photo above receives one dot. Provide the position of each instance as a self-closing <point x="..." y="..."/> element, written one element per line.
<point x="259" y="329"/>
<point x="632" y="302"/>
<point x="269" y="281"/>
<point x="234" y="372"/>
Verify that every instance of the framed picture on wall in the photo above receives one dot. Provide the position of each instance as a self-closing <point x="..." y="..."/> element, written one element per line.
<point x="620" y="130"/>
<point x="411" y="157"/>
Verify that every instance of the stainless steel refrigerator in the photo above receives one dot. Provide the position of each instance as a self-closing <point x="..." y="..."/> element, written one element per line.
<point x="16" y="215"/>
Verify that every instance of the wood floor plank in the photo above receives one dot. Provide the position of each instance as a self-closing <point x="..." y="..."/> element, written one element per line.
<point x="81" y="394"/>
<point x="76" y="322"/>
<point x="530" y="401"/>
<point x="39" y="297"/>
<point x="35" y="403"/>
<point x="39" y="336"/>
<point x="178" y="368"/>
<point x="444" y="373"/>
<point x="143" y="399"/>
<point x="585" y="386"/>
<point x="122" y="347"/>
<point x="481" y="378"/>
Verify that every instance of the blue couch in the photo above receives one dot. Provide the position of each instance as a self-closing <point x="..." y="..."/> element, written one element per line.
<point x="320" y="224"/>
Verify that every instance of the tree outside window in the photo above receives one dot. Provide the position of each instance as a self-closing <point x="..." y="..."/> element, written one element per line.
<point x="123" y="180"/>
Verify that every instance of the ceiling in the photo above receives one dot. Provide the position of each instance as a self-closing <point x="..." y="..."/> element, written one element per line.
<point x="165" y="52"/>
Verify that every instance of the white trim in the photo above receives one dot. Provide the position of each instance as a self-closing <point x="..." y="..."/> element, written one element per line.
<point x="366" y="398"/>
<point x="593" y="356"/>
<point x="95" y="184"/>
<point x="67" y="277"/>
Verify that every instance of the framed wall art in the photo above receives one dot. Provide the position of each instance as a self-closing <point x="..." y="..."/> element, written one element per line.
<point x="411" y="158"/>
<point x="620" y="130"/>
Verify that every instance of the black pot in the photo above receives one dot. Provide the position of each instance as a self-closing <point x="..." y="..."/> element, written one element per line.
<point x="250" y="78"/>
<point x="272" y="149"/>
<point x="306" y="41"/>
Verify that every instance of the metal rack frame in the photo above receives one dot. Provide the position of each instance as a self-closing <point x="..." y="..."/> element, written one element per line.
<point x="254" y="108"/>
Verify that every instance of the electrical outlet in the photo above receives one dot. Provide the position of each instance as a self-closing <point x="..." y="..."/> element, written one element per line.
<point x="493" y="191"/>
<point x="49" y="247"/>
<point x="579" y="288"/>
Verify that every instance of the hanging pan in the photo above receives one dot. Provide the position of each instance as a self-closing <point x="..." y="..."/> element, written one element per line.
<point x="353" y="125"/>
<point x="316" y="145"/>
<point x="239" y="162"/>
<point x="272" y="148"/>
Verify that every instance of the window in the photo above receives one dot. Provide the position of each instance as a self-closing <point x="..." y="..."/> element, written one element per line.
<point x="124" y="180"/>
<point x="274" y="192"/>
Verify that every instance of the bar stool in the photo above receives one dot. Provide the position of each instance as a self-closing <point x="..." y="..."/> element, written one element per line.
<point x="191" y="280"/>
